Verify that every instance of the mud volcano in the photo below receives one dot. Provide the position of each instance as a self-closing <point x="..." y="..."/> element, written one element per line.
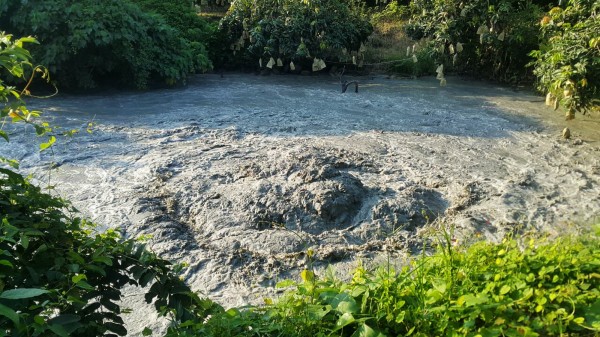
<point x="238" y="176"/>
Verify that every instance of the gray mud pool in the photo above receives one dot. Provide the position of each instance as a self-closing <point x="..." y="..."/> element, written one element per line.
<point x="238" y="176"/>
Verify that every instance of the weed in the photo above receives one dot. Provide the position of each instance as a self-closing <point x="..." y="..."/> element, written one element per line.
<point x="529" y="288"/>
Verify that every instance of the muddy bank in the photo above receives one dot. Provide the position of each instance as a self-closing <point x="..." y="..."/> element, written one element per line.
<point x="238" y="176"/>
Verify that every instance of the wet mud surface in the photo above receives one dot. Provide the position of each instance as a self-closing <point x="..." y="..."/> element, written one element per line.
<point x="238" y="176"/>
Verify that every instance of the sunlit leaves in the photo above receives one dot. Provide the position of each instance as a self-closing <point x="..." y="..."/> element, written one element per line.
<point x="494" y="37"/>
<point x="48" y="144"/>
<point x="546" y="288"/>
<point x="567" y="64"/>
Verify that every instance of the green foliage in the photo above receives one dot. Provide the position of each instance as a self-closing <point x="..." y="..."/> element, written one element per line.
<point x="58" y="276"/>
<point x="567" y="63"/>
<point x="15" y="61"/>
<point x="86" y="43"/>
<point x="493" y="37"/>
<point x="530" y="288"/>
<point x="291" y="30"/>
<point x="392" y="12"/>
<point x="183" y="17"/>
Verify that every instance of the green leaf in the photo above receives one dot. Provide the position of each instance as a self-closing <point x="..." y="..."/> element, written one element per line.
<point x="103" y="259"/>
<point x="366" y="331"/>
<point x="344" y="303"/>
<point x="8" y="312"/>
<point x="592" y="315"/>
<point x="64" y="319"/>
<point x="24" y="241"/>
<point x="22" y="293"/>
<point x="433" y="296"/>
<point x="6" y="263"/>
<point x="116" y="328"/>
<point x="400" y="317"/>
<point x="84" y="285"/>
<point x="285" y="284"/>
<point x="147" y="332"/>
<point x="317" y="312"/>
<point x="39" y="320"/>
<point x="470" y="300"/>
<point x="10" y="162"/>
<point x="4" y="135"/>
<point x="343" y="321"/>
<point x="504" y="290"/>
<point x="307" y="276"/>
<point x="46" y="145"/>
<point x="146" y="278"/>
<point x="39" y="130"/>
<point x="28" y="39"/>
<point x="490" y="332"/>
<point x="77" y="278"/>
<point x="59" y="330"/>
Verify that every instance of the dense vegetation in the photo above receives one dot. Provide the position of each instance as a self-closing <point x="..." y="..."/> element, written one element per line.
<point x="516" y="288"/>
<point x="87" y="43"/>
<point x="567" y="63"/>
<point x="511" y="40"/>
<point x="274" y="33"/>
<point x="136" y="43"/>
<point x="479" y="37"/>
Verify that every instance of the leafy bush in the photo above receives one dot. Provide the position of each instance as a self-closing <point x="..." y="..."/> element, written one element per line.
<point x="483" y="38"/>
<point x="86" y="42"/>
<point x="183" y="17"/>
<point x="14" y="61"/>
<point x="58" y="276"/>
<point x="541" y="289"/>
<point x="291" y="30"/>
<point x="567" y="64"/>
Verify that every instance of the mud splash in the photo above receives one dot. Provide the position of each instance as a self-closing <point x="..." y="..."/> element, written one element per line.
<point x="238" y="176"/>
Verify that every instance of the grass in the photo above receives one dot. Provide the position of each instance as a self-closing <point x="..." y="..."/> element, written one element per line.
<point x="519" y="287"/>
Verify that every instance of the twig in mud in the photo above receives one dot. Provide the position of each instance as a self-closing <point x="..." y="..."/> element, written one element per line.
<point x="345" y="84"/>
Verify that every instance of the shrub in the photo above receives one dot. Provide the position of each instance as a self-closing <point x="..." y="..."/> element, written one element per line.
<point x="58" y="276"/>
<point x="484" y="38"/>
<point x="567" y="64"/>
<point x="527" y="288"/>
<point x="86" y="42"/>
<point x="291" y="30"/>
<point x="183" y="17"/>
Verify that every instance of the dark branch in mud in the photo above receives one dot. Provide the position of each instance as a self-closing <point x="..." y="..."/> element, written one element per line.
<point x="346" y="84"/>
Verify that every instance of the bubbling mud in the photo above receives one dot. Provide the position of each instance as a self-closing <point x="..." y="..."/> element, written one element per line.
<point x="239" y="176"/>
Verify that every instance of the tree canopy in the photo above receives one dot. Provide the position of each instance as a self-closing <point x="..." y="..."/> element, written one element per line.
<point x="87" y="43"/>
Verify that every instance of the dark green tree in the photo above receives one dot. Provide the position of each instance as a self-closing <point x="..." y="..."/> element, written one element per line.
<point x="297" y="31"/>
<point x="87" y="43"/>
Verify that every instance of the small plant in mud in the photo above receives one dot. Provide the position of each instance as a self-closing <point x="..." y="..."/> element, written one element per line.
<point x="524" y="287"/>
